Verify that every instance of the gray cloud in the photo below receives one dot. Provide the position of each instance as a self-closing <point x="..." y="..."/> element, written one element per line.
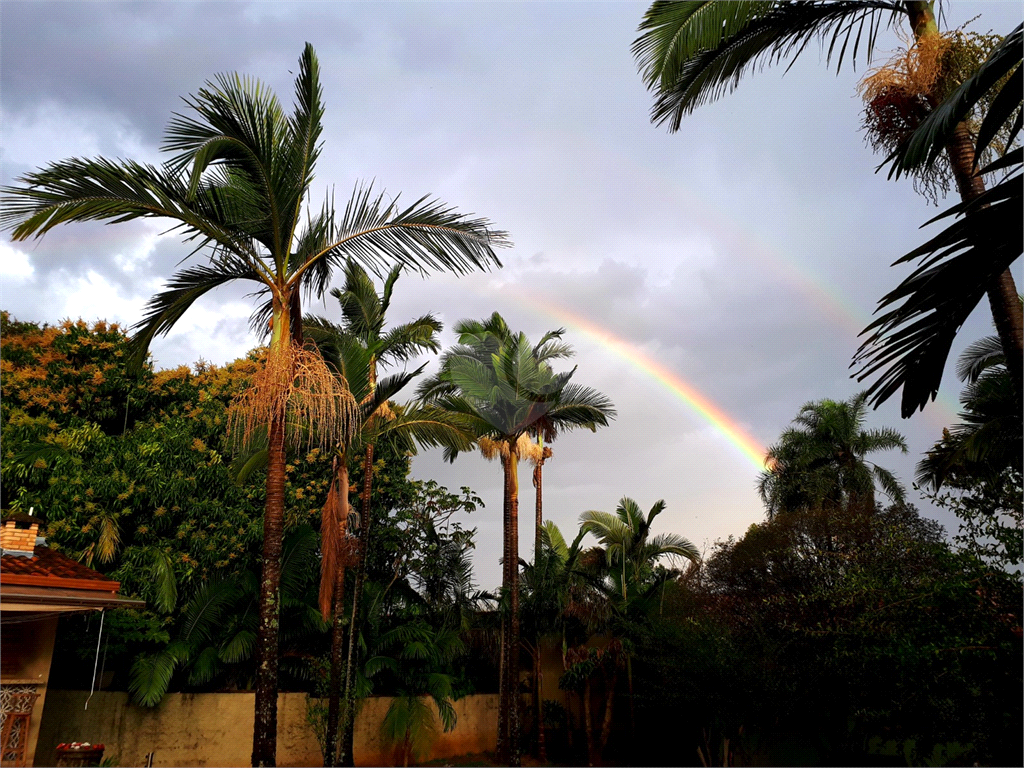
<point x="743" y="253"/>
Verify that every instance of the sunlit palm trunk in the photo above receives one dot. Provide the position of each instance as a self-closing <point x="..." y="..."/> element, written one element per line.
<point x="264" y="740"/>
<point x="1002" y="292"/>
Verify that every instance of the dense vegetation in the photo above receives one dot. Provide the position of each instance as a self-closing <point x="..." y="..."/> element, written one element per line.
<point x="828" y="633"/>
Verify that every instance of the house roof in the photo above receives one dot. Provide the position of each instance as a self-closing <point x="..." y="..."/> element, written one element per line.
<point x="48" y="567"/>
<point x="51" y="581"/>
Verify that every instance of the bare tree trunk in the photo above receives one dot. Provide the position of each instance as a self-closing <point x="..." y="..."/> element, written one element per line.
<point x="538" y="483"/>
<point x="538" y="699"/>
<point x="508" y="685"/>
<point x="513" y="656"/>
<point x="501" y="745"/>
<point x="264" y="739"/>
<point x="264" y="730"/>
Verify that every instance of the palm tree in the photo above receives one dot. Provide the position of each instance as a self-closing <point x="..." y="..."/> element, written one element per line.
<point x="694" y="52"/>
<point x="413" y="653"/>
<point x="822" y="461"/>
<point x="550" y="584"/>
<point x="989" y="439"/>
<point x="630" y="555"/>
<point x="629" y="552"/>
<point x="354" y="349"/>
<point x="236" y="187"/>
<point x="504" y="388"/>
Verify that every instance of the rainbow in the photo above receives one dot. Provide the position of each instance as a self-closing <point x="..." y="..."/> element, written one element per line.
<point x="749" y="446"/>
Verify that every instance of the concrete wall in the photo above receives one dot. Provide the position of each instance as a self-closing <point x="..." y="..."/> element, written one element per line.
<point x="215" y="729"/>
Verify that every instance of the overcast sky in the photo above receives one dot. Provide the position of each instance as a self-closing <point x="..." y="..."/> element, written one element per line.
<point x="742" y="254"/>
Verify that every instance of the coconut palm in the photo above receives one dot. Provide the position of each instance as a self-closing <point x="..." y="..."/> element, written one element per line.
<point x="822" y="461"/>
<point x="694" y="52"/>
<point x="236" y="188"/>
<point x="504" y="388"/>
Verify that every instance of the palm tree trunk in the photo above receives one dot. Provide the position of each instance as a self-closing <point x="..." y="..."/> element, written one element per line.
<point x="508" y="685"/>
<point x="513" y="655"/>
<point x="264" y="744"/>
<point x="337" y="629"/>
<point x="538" y="679"/>
<point x="588" y="726"/>
<point x="348" y="726"/>
<point x="503" y="701"/>
<point x="264" y="734"/>
<point x="1002" y="292"/>
<point x="629" y="685"/>
<point x="609" y="701"/>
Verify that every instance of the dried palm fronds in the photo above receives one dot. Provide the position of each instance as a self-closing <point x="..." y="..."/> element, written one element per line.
<point x="296" y="385"/>
<point x="340" y="550"/>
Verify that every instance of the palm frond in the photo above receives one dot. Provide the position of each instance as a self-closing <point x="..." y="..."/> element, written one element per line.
<point x="693" y="52"/>
<point x="428" y="235"/>
<point x="150" y="678"/>
<point x="979" y="357"/>
<point x="165" y="583"/>
<point x="908" y="346"/>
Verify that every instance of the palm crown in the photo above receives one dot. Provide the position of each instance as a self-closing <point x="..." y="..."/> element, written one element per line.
<point x="629" y="551"/>
<point x="822" y="460"/>
<point x="504" y="387"/>
<point x="236" y="187"/>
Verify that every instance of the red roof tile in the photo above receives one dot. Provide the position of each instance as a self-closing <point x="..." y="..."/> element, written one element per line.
<point x="49" y="566"/>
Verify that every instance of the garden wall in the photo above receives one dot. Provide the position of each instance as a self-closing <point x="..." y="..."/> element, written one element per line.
<point x="215" y="729"/>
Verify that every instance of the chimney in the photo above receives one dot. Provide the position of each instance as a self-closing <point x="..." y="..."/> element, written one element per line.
<point x="18" y="536"/>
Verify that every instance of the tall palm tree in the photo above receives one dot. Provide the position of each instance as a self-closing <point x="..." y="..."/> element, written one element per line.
<point x="694" y="52"/>
<point x="236" y="187"/>
<point x="822" y="461"/>
<point x="504" y="388"/>
<point x="355" y="348"/>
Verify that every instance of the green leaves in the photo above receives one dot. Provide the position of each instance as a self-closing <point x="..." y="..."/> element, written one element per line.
<point x="503" y="387"/>
<point x="822" y="461"/>
<point x="690" y="53"/>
